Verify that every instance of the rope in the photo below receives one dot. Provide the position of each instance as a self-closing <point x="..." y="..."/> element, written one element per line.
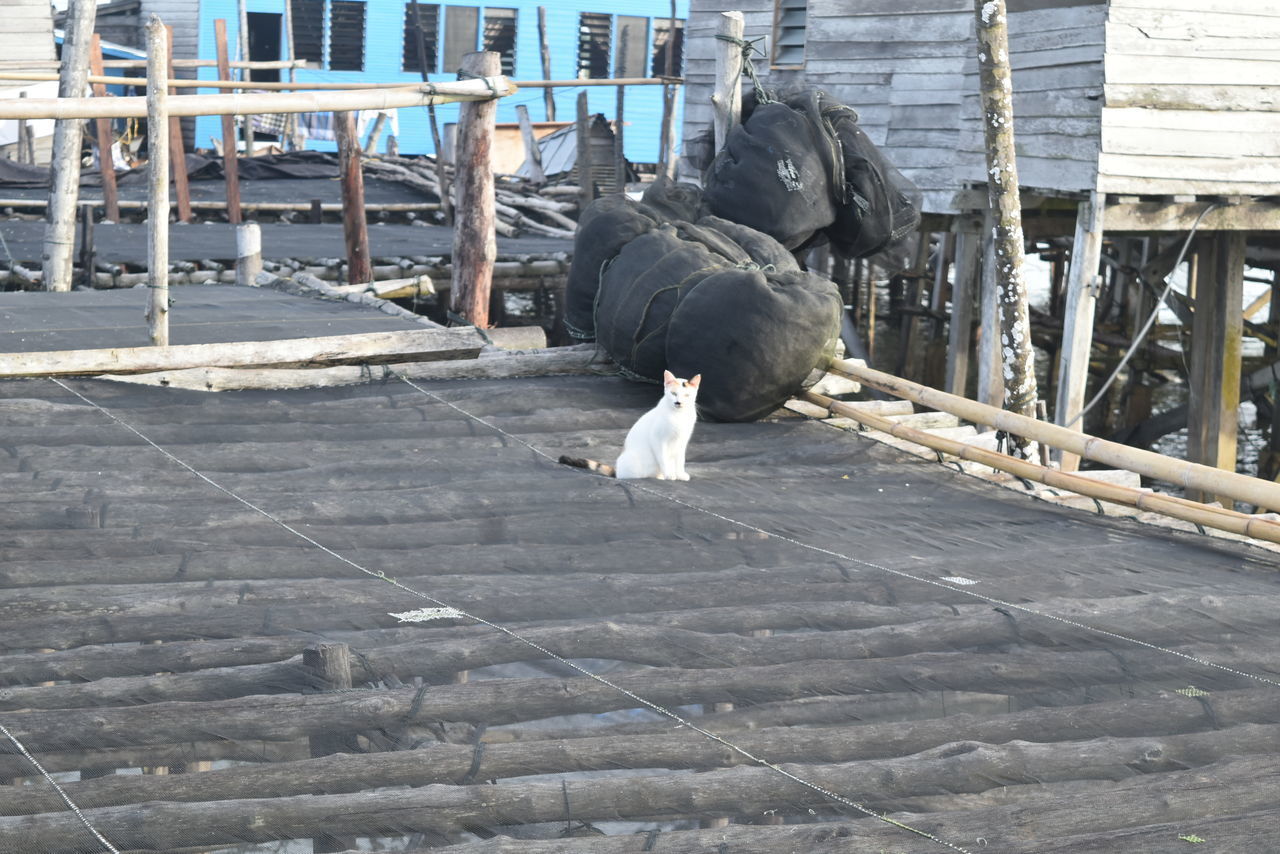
<point x="748" y="47"/>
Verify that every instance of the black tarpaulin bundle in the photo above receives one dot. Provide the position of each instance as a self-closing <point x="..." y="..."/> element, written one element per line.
<point x="712" y="297"/>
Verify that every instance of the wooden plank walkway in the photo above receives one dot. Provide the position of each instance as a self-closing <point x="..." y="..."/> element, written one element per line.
<point x="1000" y="673"/>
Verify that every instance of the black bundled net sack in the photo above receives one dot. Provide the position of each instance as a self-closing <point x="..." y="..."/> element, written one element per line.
<point x="774" y="174"/>
<point x="722" y="300"/>
<point x="755" y="337"/>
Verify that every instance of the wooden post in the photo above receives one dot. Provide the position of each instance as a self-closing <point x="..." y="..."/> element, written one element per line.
<point x="871" y="311"/>
<point x="158" y="182"/>
<point x="990" y="381"/>
<point x="25" y="154"/>
<point x="1215" y="358"/>
<point x="64" y="192"/>
<point x="726" y="100"/>
<point x="230" y="162"/>
<point x="328" y="668"/>
<point x="1018" y="354"/>
<point x="667" y="142"/>
<point x="442" y="162"/>
<point x="619" y="158"/>
<point x="533" y="154"/>
<point x="960" y="330"/>
<point x="548" y="94"/>
<point x="371" y="144"/>
<point x="316" y="214"/>
<point x="355" y="227"/>
<point x="475" y="243"/>
<point x="86" y="244"/>
<point x="106" y="163"/>
<point x="248" y="254"/>
<point x="177" y="151"/>
<point x="1077" y="329"/>
<point x="586" y="177"/>
<point x="242" y="41"/>
<point x="1269" y="460"/>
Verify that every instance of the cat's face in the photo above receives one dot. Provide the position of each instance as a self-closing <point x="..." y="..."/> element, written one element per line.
<point x="681" y="394"/>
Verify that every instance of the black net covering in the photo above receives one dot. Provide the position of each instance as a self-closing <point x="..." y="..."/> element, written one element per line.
<point x="381" y="618"/>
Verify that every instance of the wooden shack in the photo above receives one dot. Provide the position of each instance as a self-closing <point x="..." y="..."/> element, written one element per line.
<point x="1132" y="118"/>
<point x="27" y="35"/>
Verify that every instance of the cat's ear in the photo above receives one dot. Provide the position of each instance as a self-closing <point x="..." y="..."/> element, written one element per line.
<point x="668" y="378"/>
<point x="693" y="383"/>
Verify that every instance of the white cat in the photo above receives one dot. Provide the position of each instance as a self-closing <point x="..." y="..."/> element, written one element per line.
<point x="655" y="445"/>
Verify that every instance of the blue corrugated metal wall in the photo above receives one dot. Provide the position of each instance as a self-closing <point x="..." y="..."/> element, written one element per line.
<point x="384" y="39"/>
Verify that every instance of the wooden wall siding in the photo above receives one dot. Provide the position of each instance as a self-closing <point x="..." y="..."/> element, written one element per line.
<point x="183" y="16"/>
<point x="27" y="32"/>
<point x="1192" y="91"/>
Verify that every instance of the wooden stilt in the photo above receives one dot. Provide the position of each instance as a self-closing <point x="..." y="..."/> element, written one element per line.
<point x="371" y="144"/>
<point x="355" y="226"/>
<point x="230" y="162"/>
<point x="25" y="154"/>
<point x="1077" y="332"/>
<point x="86" y="244"/>
<point x="619" y="158"/>
<point x="475" y="245"/>
<point x="158" y="180"/>
<point x="293" y="139"/>
<point x="64" y="192"/>
<point x="177" y="151"/>
<point x="960" y="331"/>
<point x="1269" y="460"/>
<point x="1215" y="357"/>
<point x="248" y="254"/>
<point x="990" y="381"/>
<point x="102" y="127"/>
<point x="871" y="312"/>
<point x="669" y="158"/>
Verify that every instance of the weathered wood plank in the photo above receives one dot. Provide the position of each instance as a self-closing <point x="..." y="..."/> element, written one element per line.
<point x="371" y="347"/>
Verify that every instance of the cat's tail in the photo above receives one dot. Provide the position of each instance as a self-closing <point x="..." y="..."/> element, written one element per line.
<point x="590" y="465"/>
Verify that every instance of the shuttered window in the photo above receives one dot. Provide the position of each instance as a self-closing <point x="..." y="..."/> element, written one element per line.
<point x="500" y="36"/>
<point x="461" y="29"/>
<point x="346" y="35"/>
<point x="661" y="38"/>
<point x="788" y="32"/>
<point x="594" y="30"/>
<point x="421" y="19"/>
<point x="308" y="30"/>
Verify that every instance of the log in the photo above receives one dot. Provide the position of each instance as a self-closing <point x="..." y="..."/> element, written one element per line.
<point x="106" y="162"/>
<point x="494" y="702"/>
<point x="963" y="766"/>
<point x="1149" y="744"/>
<point x="475" y="244"/>
<point x="64" y="189"/>
<point x="230" y="150"/>
<point x="370" y="348"/>
<point x="157" y="184"/>
<point x="436" y="660"/>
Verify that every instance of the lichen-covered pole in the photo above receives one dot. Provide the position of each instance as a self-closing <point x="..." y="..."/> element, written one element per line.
<point x="1006" y="206"/>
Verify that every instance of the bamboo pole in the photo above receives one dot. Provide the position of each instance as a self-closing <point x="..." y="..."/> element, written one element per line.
<point x="1146" y="463"/>
<point x="726" y="101"/>
<point x="199" y="204"/>
<point x="60" y="232"/>
<point x="281" y="86"/>
<point x="230" y="151"/>
<point x="106" y="163"/>
<point x="475" y="245"/>
<point x="178" y="152"/>
<point x="1003" y="195"/>
<point x="158" y="183"/>
<point x="355" y="226"/>
<point x="417" y="95"/>
<point x="548" y="96"/>
<point x="1154" y="502"/>
<point x="141" y="63"/>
